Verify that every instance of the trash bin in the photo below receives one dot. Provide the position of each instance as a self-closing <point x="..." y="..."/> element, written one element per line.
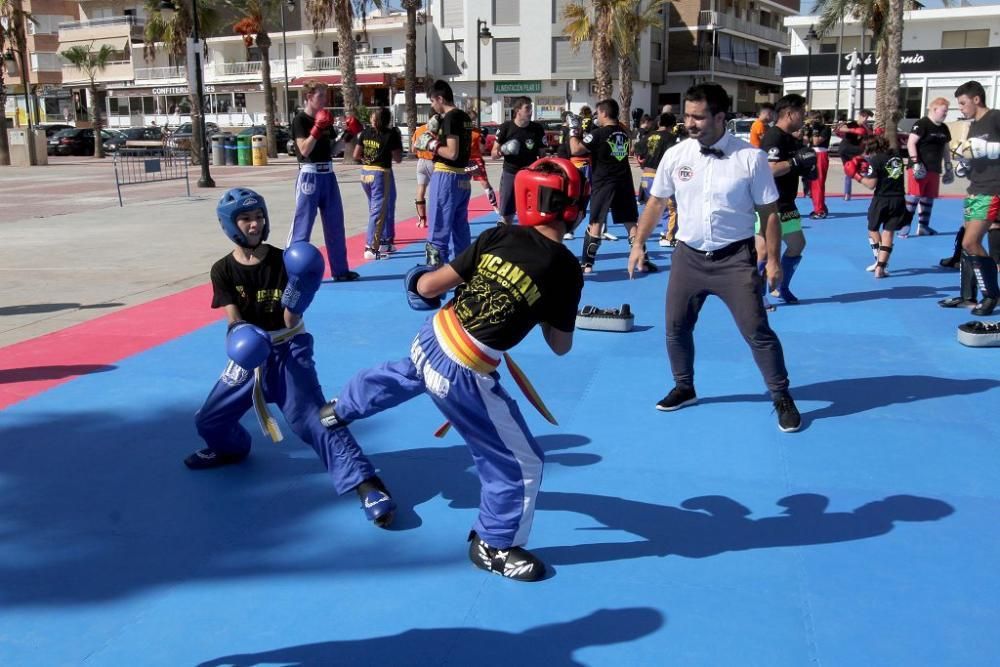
<point x="229" y="144"/>
<point x="219" y="150"/>
<point x="243" y="150"/>
<point x="259" y="143"/>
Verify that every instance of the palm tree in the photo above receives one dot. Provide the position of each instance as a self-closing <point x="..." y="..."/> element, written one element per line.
<point x="592" y="23"/>
<point x="320" y="12"/>
<point x="629" y="19"/>
<point x="91" y="63"/>
<point x="893" y="51"/>
<point x="172" y="34"/>
<point x="13" y="19"/>
<point x="252" y="25"/>
<point x="410" y="66"/>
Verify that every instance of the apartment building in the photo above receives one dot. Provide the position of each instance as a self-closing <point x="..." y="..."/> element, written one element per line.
<point x="942" y="48"/>
<point x="519" y="47"/>
<point x="735" y="43"/>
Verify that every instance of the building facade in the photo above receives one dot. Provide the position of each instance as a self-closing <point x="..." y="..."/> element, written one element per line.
<point x="942" y="49"/>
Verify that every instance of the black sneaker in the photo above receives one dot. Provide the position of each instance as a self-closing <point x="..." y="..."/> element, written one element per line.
<point x="950" y="262"/>
<point x="956" y="302"/>
<point x="203" y="459"/>
<point x="346" y="277"/>
<point x="985" y="307"/>
<point x="678" y="398"/>
<point x="789" y="419"/>
<point x="514" y="563"/>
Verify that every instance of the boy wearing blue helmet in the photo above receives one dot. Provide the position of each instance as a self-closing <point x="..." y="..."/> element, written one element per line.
<point x="264" y="294"/>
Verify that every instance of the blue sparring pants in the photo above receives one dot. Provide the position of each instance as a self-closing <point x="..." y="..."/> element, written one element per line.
<point x="507" y="457"/>
<point x="319" y="192"/>
<point x="448" y="212"/>
<point x="380" y="187"/>
<point x="645" y="183"/>
<point x="290" y="382"/>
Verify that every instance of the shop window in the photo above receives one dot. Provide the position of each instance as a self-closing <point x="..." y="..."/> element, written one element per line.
<point x="965" y="39"/>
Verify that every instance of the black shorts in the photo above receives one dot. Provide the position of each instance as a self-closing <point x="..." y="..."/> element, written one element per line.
<point x="615" y="198"/>
<point x="889" y="213"/>
<point x="508" y="206"/>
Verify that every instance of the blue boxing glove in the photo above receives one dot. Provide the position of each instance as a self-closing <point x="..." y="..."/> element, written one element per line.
<point x="247" y="344"/>
<point x="416" y="301"/>
<point x="305" y="267"/>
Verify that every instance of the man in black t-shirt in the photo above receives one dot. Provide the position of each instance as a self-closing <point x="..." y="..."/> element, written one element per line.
<point x="316" y="189"/>
<point x="451" y="185"/>
<point x="927" y="147"/>
<point x="519" y="142"/>
<point x="264" y="295"/>
<point x="789" y="161"/>
<point x="511" y="279"/>
<point x="378" y="147"/>
<point x="649" y="152"/>
<point x="612" y="189"/>
<point x="852" y="134"/>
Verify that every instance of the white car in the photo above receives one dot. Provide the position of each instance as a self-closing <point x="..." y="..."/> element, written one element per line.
<point x="740" y="128"/>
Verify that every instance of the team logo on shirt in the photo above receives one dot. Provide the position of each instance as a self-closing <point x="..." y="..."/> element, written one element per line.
<point x="530" y="144"/>
<point x="894" y="168"/>
<point x="773" y="154"/>
<point x="685" y="173"/>
<point x="619" y="145"/>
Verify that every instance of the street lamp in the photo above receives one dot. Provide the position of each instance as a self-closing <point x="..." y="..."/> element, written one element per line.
<point x="810" y="37"/>
<point x="284" y="50"/>
<point x="11" y="62"/>
<point x="167" y="8"/>
<point x="485" y="36"/>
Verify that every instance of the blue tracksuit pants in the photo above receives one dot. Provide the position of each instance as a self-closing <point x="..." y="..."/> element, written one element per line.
<point x="448" y="212"/>
<point x="291" y="383"/>
<point x="319" y="192"/>
<point x="380" y="187"/>
<point x="507" y="457"/>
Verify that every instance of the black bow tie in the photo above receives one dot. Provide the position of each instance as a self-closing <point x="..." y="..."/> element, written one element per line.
<point x="714" y="152"/>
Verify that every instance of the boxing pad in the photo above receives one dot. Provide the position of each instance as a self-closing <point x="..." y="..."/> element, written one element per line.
<point x="961" y="168"/>
<point x="304" y="265"/>
<point x="804" y="162"/>
<point x="607" y="319"/>
<point x="413" y="297"/>
<point x="979" y="334"/>
<point x="247" y="345"/>
<point x="512" y="147"/>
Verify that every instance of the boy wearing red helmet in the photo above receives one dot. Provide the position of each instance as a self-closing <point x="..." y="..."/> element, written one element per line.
<point x="509" y="280"/>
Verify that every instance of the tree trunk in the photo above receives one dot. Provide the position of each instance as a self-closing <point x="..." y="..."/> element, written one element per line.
<point x="625" y="89"/>
<point x="410" y="67"/>
<point x="880" y="88"/>
<point x="349" y="89"/>
<point x="96" y="114"/>
<point x="197" y="128"/>
<point x="893" y="51"/>
<point x="602" y="52"/>
<point x="264" y="44"/>
<point x="4" y="144"/>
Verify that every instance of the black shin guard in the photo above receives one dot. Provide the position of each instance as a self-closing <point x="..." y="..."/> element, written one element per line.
<point x="590" y="246"/>
<point x="968" y="278"/>
<point x="994" y="240"/>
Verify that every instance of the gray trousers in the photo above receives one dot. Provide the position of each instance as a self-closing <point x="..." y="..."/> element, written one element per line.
<point x="731" y="274"/>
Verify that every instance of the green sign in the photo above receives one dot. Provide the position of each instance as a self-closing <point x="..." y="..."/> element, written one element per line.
<point x="516" y="87"/>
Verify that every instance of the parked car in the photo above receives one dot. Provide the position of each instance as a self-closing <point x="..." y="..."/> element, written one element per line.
<point x="181" y="137"/>
<point x="553" y="134"/>
<point x="133" y="134"/>
<point x="282" y="138"/>
<point x="52" y="128"/>
<point x="76" y="141"/>
<point x="740" y="128"/>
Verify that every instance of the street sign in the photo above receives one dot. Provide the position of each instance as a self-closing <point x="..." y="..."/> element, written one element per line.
<point x="516" y="87"/>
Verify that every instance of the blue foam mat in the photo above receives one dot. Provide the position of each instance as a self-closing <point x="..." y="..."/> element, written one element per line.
<point x="701" y="537"/>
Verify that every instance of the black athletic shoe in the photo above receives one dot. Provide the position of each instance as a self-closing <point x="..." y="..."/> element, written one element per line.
<point x="956" y="302"/>
<point x="346" y="277"/>
<point x="203" y="459"/>
<point x="678" y="398"/>
<point x="985" y="307"/>
<point x="514" y="563"/>
<point x="789" y="419"/>
<point x="950" y="262"/>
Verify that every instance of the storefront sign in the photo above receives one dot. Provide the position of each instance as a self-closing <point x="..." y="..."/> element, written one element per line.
<point x="516" y="87"/>
<point x="910" y="62"/>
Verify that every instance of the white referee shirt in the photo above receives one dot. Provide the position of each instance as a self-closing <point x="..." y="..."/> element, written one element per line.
<point x="715" y="196"/>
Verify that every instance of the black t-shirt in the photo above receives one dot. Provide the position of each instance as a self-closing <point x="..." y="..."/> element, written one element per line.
<point x="514" y="279"/>
<point x="984" y="174"/>
<point x="256" y="290"/>
<point x="655" y="145"/>
<point x="456" y="123"/>
<point x="931" y="145"/>
<point x="823" y="133"/>
<point x="780" y="146"/>
<point x="609" y="147"/>
<point x="850" y="144"/>
<point x="377" y="147"/>
<point x="888" y="169"/>
<point x="532" y="138"/>
<point x="302" y="125"/>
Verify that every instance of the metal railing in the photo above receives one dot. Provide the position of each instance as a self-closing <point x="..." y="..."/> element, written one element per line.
<point x="137" y="166"/>
<point x="757" y="71"/>
<point x="237" y="68"/>
<point x="325" y="63"/>
<point x="109" y="20"/>
<point x="720" y="21"/>
<point x="156" y="73"/>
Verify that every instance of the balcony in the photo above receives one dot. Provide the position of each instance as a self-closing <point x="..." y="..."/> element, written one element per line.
<point x="160" y="73"/>
<point x="708" y="20"/>
<point x="249" y="70"/>
<point x="119" y="70"/>
<point x="129" y="27"/>
<point x="741" y="69"/>
<point x="365" y="61"/>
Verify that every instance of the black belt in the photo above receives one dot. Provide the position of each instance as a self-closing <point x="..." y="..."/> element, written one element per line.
<point x="724" y="251"/>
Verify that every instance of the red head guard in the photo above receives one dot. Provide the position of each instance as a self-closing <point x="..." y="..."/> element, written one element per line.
<point x="551" y="189"/>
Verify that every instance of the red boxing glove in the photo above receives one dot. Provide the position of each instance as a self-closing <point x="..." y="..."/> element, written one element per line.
<point x="353" y="125"/>
<point x="852" y="166"/>
<point x="321" y="122"/>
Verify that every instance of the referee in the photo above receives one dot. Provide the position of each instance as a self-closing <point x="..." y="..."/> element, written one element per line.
<point x="719" y="182"/>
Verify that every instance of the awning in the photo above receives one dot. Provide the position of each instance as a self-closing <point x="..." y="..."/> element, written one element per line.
<point x="116" y="43"/>
<point x="370" y="79"/>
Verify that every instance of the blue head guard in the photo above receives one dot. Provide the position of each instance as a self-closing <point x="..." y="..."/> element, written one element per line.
<point x="233" y="203"/>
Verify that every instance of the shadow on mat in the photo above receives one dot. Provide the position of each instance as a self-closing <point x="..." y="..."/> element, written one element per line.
<point x="33" y="373"/>
<point x="553" y="644"/>
<point x="35" y="308"/>
<point x="853" y="395"/>
<point x="900" y="292"/>
<point x="710" y="525"/>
